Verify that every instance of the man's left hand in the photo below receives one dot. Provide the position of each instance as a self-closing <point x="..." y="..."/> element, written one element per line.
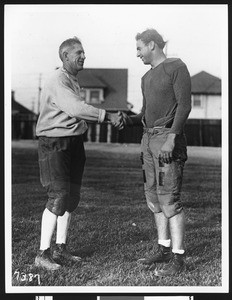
<point x="116" y="120"/>
<point x="167" y="148"/>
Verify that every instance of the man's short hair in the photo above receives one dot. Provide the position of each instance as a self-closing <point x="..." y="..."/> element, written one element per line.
<point x="67" y="44"/>
<point x="151" y="35"/>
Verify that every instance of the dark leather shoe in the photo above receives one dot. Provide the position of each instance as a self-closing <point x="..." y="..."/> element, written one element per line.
<point x="176" y="265"/>
<point x="163" y="254"/>
<point x="61" y="254"/>
<point x="45" y="260"/>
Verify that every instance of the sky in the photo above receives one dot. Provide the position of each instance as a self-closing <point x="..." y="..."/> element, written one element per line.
<point x="33" y="33"/>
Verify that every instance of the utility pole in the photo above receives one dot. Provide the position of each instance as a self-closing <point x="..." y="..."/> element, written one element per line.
<point x="166" y="49"/>
<point x="33" y="104"/>
<point x="39" y="91"/>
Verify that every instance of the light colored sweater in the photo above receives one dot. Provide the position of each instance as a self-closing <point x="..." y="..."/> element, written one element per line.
<point x="166" y="96"/>
<point x="62" y="110"/>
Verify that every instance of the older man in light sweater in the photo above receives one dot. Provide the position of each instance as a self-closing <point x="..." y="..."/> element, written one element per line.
<point x="60" y="126"/>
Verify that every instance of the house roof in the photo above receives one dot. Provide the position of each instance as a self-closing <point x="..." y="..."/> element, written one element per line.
<point x="88" y="79"/>
<point x="18" y="108"/>
<point x="114" y="83"/>
<point x="205" y="83"/>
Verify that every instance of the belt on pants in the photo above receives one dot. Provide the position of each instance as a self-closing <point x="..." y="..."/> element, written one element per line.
<point x="152" y="130"/>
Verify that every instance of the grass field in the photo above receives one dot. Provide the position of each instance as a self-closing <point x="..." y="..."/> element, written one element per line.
<point x="113" y="227"/>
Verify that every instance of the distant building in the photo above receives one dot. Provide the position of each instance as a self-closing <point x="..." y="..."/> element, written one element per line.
<point x="105" y="88"/>
<point x="102" y="88"/>
<point x="206" y="96"/>
<point x="23" y="120"/>
<point x="203" y="127"/>
<point x="108" y="88"/>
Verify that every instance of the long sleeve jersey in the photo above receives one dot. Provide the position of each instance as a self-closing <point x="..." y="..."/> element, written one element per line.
<point x="62" y="110"/>
<point x="166" y="93"/>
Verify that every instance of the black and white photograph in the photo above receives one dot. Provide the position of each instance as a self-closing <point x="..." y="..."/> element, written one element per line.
<point x="116" y="145"/>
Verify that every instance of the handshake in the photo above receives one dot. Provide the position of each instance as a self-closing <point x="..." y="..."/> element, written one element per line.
<point x="119" y="120"/>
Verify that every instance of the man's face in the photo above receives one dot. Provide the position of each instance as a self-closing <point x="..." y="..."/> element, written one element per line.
<point x="76" y="58"/>
<point x="144" y="52"/>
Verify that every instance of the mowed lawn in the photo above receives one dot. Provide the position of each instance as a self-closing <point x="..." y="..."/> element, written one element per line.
<point x="112" y="227"/>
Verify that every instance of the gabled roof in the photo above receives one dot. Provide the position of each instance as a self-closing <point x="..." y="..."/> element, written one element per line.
<point x="114" y="83"/>
<point x="19" y="108"/>
<point x="205" y="83"/>
<point x="88" y="79"/>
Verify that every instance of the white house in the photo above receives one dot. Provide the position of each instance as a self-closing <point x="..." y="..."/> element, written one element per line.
<point x="206" y="96"/>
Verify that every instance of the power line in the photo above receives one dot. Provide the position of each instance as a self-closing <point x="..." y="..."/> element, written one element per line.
<point x="39" y="91"/>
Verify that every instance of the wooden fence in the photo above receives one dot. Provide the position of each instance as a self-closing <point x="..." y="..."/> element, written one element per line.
<point x="198" y="132"/>
<point x="23" y="129"/>
<point x="201" y="132"/>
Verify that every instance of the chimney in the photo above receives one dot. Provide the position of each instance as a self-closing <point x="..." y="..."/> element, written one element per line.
<point x="12" y="95"/>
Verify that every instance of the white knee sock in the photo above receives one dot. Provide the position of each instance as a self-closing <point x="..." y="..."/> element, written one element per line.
<point x="63" y="223"/>
<point x="178" y="251"/>
<point x="165" y="243"/>
<point x="48" y="225"/>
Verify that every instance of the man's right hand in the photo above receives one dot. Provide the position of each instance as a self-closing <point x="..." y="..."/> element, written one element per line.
<point x="115" y="119"/>
<point x="125" y="119"/>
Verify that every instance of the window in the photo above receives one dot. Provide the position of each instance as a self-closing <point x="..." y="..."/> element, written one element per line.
<point x="94" y="97"/>
<point x="196" y="101"/>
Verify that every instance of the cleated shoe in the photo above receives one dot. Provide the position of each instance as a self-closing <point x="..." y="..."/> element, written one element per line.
<point x="44" y="260"/>
<point x="61" y="254"/>
<point x="176" y="265"/>
<point x="163" y="254"/>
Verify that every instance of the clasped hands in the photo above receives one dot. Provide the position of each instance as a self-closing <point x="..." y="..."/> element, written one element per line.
<point x="118" y="120"/>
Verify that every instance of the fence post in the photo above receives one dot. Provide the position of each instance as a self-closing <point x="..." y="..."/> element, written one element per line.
<point x="97" y="133"/>
<point x="34" y="130"/>
<point x="200" y="133"/>
<point x="89" y="133"/>
<point x="108" y="133"/>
